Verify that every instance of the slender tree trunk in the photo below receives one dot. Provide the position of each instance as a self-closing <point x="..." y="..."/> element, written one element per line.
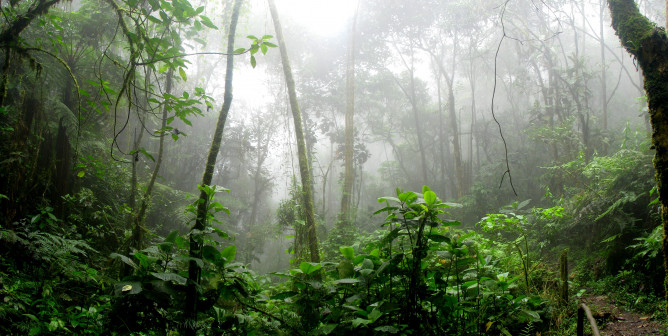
<point x="304" y="168"/>
<point x="345" y="220"/>
<point x="649" y="45"/>
<point x="194" y="271"/>
<point x="138" y="230"/>
<point x="604" y="89"/>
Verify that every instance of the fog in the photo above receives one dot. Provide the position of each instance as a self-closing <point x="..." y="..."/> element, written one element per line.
<point x="493" y="134"/>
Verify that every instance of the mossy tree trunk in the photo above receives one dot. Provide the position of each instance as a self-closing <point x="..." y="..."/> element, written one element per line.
<point x="194" y="271"/>
<point x="649" y="45"/>
<point x="345" y="222"/>
<point x="304" y="169"/>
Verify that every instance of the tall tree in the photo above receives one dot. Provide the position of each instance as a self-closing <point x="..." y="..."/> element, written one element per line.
<point x="304" y="169"/>
<point x="348" y="175"/>
<point x="194" y="271"/>
<point x="649" y="45"/>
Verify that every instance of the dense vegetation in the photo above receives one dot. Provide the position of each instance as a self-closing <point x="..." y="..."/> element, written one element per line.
<point x="468" y="167"/>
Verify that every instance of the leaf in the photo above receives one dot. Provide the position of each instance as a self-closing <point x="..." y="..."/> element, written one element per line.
<point x="164" y="16"/>
<point x="407" y="197"/>
<point x="170" y="277"/>
<point x="263" y="48"/>
<point x="124" y="259"/>
<point x="210" y="253"/>
<point x="439" y="238"/>
<point x="309" y="267"/>
<point x="229" y="253"/>
<point x="347" y="251"/>
<point x="387" y="329"/>
<point x="284" y="295"/>
<point x="182" y="73"/>
<point x="239" y="51"/>
<point x="127" y="287"/>
<point x="523" y="204"/>
<point x="269" y="44"/>
<point x="207" y="22"/>
<point x="358" y="321"/>
<point x="171" y="237"/>
<point x="327" y="329"/>
<point x="430" y="197"/>
<point x="143" y="151"/>
<point x="388" y="198"/>
<point x="345" y="281"/>
<point x="81" y="174"/>
<point x="253" y="62"/>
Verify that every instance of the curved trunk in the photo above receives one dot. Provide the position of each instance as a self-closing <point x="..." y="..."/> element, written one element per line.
<point x="304" y="168"/>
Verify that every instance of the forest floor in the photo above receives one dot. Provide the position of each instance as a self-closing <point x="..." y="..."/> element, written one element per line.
<point x="615" y="321"/>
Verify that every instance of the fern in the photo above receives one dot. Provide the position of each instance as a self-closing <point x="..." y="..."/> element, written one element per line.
<point x="527" y="330"/>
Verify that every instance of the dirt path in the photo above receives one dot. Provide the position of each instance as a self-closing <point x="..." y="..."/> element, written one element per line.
<point x="614" y="321"/>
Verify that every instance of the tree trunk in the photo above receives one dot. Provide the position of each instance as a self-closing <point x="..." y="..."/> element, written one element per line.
<point x="194" y="270"/>
<point x="138" y="230"/>
<point x="345" y="220"/>
<point x="304" y="168"/>
<point x="649" y="45"/>
<point x="604" y="89"/>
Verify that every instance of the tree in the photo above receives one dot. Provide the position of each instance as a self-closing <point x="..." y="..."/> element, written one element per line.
<point x="304" y="169"/>
<point x="194" y="271"/>
<point x="348" y="175"/>
<point x="649" y="45"/>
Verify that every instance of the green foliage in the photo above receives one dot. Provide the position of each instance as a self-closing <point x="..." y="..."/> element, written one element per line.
<point x="419" y="275"/>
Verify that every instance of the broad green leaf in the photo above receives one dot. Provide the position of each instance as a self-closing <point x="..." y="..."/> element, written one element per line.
<point x="143" y="151"/>
<point x="182" y="73"/>
<point x="345" y="281"/>
<point x="358" y="321"/>
<point x="407" y="197"/>
<point x="387" y="329"/>
<point x="284" y="295"/>
<point x="207" y="22"/>
<point x="327" y="329"/>
<point x="127" y="287"/>
<point x="430" y="197"/>
<point x="309" y="267"/>
<point x="171" y="237"/>
<point x="210" y="253"/>
<point x="81" y="173"/>
<point x="439" y="238"/>
<point x="347" y="251"/>
<point x="229" y="253"/>
<point x="388" y="198"/>
<point x="170" y="277"/>
<point x="252" y="61"/>
<point x="124" y="259"/>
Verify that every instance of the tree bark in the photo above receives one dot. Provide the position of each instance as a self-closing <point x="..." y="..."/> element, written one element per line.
<point x="649" y="45"/>
<point x="138" y="230"/>
<point x="304" y="168"/>
<point x="345" y="221"/>
<point x="194" y="270"/>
